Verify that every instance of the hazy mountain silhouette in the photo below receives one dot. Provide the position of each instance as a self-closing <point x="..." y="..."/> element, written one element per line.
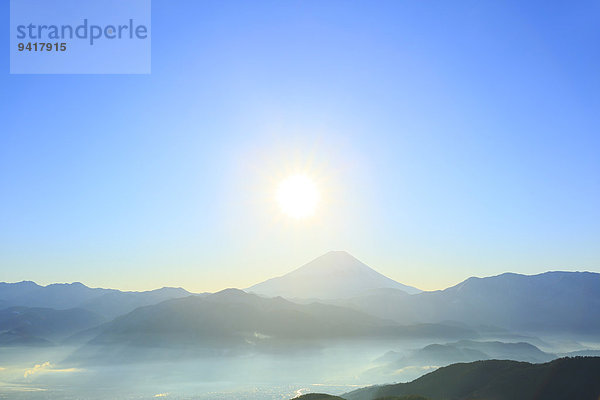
<point x="334" y="275"/>
<point x="107" y="302"/>
<point x="56" y="295"/>
<point x="235" y="320"/>
<point x="565" y="378"/>
<point x="42" y="326"/>
<point x="567" y="302"/>
<point x="461" y="351"/>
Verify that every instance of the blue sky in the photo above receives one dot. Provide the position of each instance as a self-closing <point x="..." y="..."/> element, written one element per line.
<point x="449" y="139"/>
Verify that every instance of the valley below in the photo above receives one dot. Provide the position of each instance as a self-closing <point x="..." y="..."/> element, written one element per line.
<point x="68" y="341"/>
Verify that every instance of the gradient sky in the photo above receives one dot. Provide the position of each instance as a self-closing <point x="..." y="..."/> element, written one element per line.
<point x="449" y="139"/>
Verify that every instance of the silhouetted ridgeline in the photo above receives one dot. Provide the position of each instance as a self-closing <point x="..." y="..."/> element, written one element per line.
<point x="365" y="328"/>
<point x="455" y="352"/>
<point x="552" y="302"/>
<point x="561" y="379"/>
<point x="556" y="302"/>
<point x="322" y="396"/>
<point x="235" y="320"/>
<point x="107" y="302"/>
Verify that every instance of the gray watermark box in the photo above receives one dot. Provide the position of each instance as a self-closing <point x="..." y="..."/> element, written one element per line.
<point x="80" y="36"/>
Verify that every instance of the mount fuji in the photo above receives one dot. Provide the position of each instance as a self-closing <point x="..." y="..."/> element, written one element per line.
<point x="334" y="275"/>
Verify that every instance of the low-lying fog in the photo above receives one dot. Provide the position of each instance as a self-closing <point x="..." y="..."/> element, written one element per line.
<point x="46" y="373"/>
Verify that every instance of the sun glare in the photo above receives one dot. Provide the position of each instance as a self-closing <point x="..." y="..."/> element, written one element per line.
<point x="297" y="196"/>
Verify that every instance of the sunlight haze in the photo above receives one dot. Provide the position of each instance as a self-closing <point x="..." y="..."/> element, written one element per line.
<point x="436" y="156"/>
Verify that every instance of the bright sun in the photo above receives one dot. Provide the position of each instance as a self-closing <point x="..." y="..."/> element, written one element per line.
<point x="297" y="196"/>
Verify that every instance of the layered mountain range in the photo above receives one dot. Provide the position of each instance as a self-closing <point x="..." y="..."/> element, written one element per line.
<point x="333" y="296"/>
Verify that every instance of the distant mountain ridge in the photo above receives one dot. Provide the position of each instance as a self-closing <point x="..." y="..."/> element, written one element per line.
<point x="61" y="296"/>
<point x="552" y="302"/>
<point x="548" y="302"/>
<point x="334" y="275"/>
